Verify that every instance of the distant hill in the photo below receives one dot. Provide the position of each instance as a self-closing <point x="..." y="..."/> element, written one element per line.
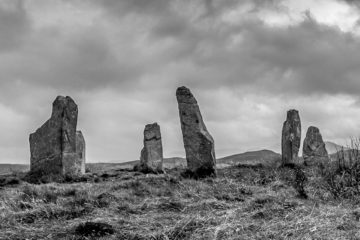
<point x="168" y="163"/>
<point x="263" y="157"/>
<point x="334" y="150"/>
<point x="353" y="153"/>
<point x="11" y="168"/>
<point x="174" y="162"/>
<point x="333" y="147"/>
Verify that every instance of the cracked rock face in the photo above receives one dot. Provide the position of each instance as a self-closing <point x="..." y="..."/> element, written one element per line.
<point x="198" y="143"/>
<point x="53" y="146"/>
<point x="151" y="159"/>
<point x="291" y="137"/>
<point x="314" y="150"/>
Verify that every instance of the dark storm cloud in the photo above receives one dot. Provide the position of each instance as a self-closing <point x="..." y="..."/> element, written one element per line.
<point x="352" y="2"/>
<point x="81" y="61"/>
<point x="162" y="7"/>
<point x="304" y="58"/>
<point x="14" y="25"/>
<point x="120" y="8"/>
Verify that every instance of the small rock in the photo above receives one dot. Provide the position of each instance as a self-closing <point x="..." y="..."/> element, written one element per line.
<point x="94" y="229"/>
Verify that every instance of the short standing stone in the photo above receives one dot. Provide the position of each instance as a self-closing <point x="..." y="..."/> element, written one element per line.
<point x="151" y="159"/>
<point x="198" y="143"/>
<point x="54" y="145"/>
<point x="291" y="136"/>
<point x="314" y="150"/>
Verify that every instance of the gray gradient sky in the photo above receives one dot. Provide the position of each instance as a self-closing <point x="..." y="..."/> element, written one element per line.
<point x="246" y="62"/>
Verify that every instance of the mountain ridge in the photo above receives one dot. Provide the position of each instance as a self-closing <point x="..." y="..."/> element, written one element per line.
<point x="332" y="147"/>
<point x="262" y="157"/>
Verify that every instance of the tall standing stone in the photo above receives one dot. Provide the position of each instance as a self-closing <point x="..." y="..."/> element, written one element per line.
<point x="198" y="143"/>
<point x="291" y="136"/>
<point x="314" y="150"/>
<point x="151" y="159"/>
<point x="56" y="147"/>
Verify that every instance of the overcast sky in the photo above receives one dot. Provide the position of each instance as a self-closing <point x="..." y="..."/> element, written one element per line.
<point x="247" y="62"/>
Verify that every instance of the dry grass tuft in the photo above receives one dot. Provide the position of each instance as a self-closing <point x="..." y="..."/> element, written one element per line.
<point x="241" y="203"/>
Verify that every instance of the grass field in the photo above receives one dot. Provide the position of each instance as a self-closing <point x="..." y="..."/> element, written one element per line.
<point x="241" y="203"/>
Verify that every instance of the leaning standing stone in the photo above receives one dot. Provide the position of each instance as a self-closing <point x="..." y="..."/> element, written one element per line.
<point x="198" y="143"/>
<point x="151" y="159"/>
<point x="314" y="151"/>
<point x="291" y="136"/>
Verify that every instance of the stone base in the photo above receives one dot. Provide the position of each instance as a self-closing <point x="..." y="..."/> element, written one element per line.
<point x="202" y="172"/>
<point x="50" y="165"/>
<point x="73" y="165"/>
<point x="316" y="161"/>
<point x="146" y="170"/>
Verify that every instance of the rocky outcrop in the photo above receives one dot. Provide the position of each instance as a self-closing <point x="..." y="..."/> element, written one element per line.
<point x="291" y="137"/>
<point x="314" y="150"/>
<point x="56" y="148"/>
<point x="151" y="159"/>
<point x="198" y="143"/>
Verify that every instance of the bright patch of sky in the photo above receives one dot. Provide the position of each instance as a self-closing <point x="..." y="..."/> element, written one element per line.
<point x="293" y="12"/>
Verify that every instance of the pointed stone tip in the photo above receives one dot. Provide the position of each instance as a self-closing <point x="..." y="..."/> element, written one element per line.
<point x="62" y="99"/>
<point x="182" y="89"/>
<point x="69" y="99"/>
<point x="152" y="131"/>
<point x="292" y="113"/>
<point x="184" y="95"/>
<point x="313" y="129"/>
<point x="61" y="103"/>
<point x="151" y="126"/>
<point x="59" y="99"/>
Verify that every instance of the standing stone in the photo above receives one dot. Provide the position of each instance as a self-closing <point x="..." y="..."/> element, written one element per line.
<point x="55" y="147"/>
<point x="151" y="159"/>
<point x="291" y="136"/>
<point x="314" y="151"/>
<point x="198" y="143"/>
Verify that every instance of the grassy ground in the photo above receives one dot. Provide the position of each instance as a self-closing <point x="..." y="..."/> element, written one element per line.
<point x="242" y="203"/>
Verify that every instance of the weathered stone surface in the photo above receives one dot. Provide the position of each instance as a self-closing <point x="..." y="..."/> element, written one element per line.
<point x="291" y="137"/>
<point x="314" y="150"/>
<point x="81" y="148"/>
<point x="151" y="159"/>
<point x="53" y="146"/>
<point x="198" y="143"/>
<point x="74" y="163"/>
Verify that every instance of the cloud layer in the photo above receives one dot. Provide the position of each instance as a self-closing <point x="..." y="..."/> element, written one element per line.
<point x="247" y="62"/>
